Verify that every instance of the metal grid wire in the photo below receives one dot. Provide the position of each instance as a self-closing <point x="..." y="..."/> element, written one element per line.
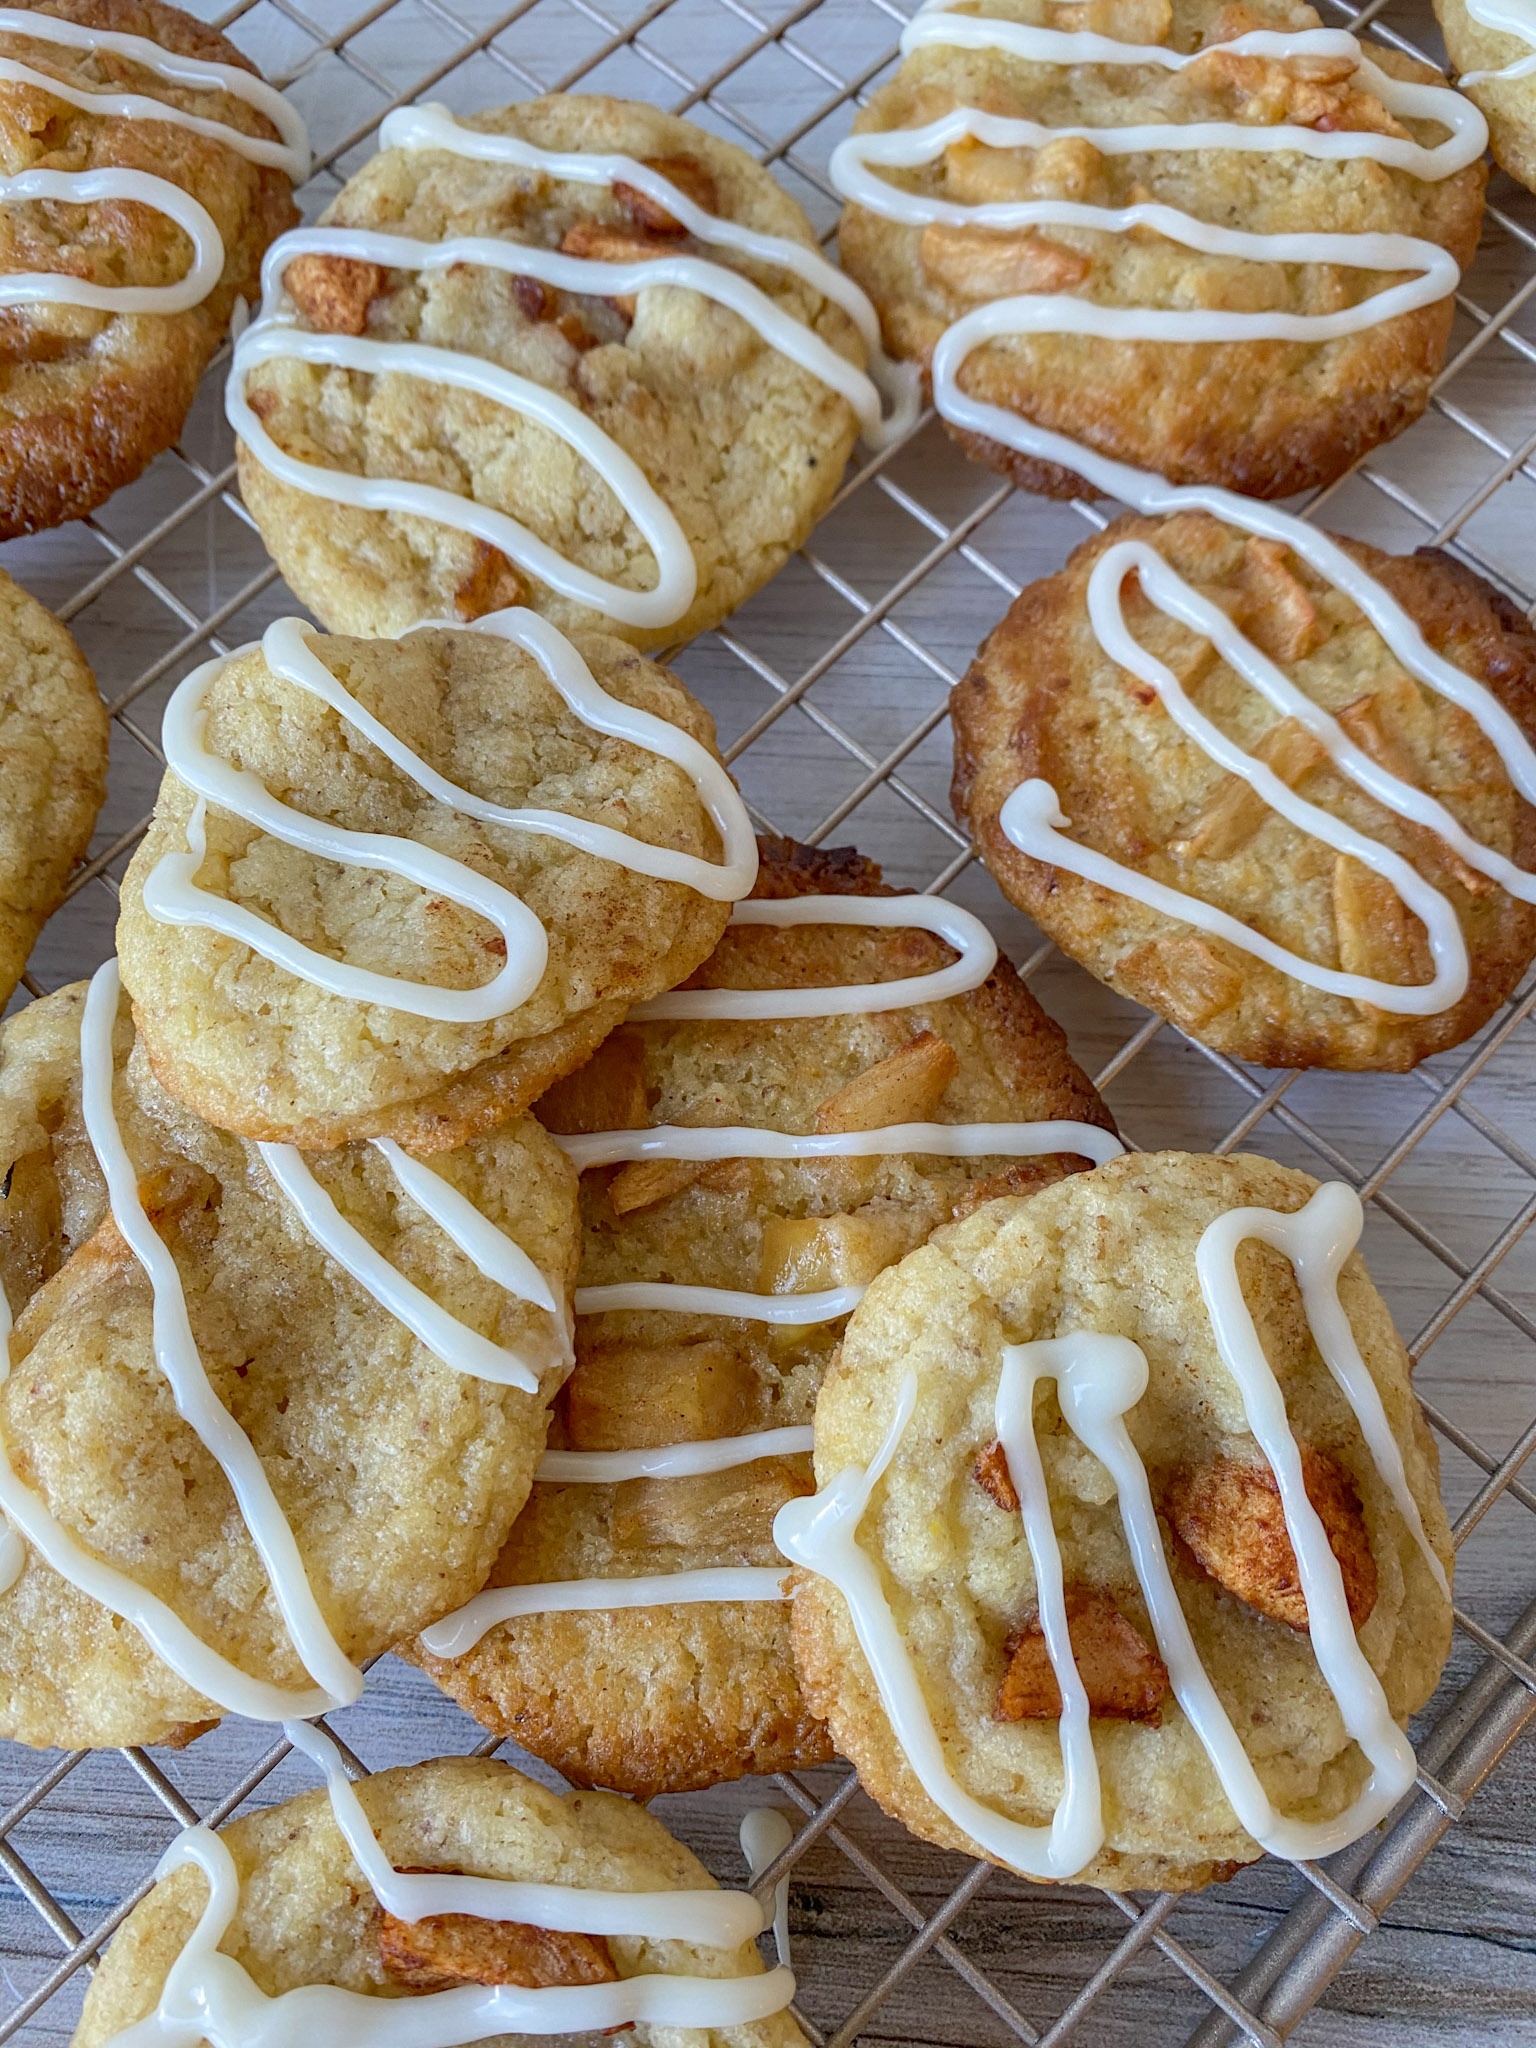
<point x="830" y="690"/>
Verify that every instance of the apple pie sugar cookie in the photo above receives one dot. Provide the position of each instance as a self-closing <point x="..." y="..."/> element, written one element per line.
<point x="1492" y="46"/>
<point x="396" y="888"/>
<point x="1206" y="238"/>
<point x="1277" y="789"/>
<point x="576" y="353"/>
<point x="53" y="770"/>
<point x="264" y="1413"/>
<point x="147" y="168"/>
<point x="460" y="1886"/>
<point x="633" y="1634"/>
<point x="1129" y="1561"/>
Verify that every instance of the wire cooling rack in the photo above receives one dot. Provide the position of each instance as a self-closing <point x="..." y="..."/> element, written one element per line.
<point x="830" y="690"/>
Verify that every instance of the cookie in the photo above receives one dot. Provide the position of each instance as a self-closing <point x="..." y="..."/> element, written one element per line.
<point x="1098" y="1447"/>
<point x="148" y="167"/>
<point x="397" y="888"/>
<point x="1084" y="228"/>
<point x="542" y="1915"/>
<point x="595" y="365"/>
<point x="1492" y="45"/>
<point x="53" y="770"/>
<point x="239" y="1461"/>
<point x="669" y="1696"/>
<point x="1297" y="847"/>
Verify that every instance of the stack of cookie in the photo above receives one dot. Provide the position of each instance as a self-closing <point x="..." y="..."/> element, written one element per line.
<point x="678" y="1291"/>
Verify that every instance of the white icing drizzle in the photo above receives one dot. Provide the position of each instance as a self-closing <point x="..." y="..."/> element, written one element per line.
<point x="765" y="1834"/>
<point x="1316" y="1240"/>
<point x="276" y="334"/>
<point x="291" y="154"/>
<point x="1433" y="271"/>
<point x="748" y="1141"/>
<point x="173" y="896"/>
<point x="949" y="921"/>
<point x="89" y="188"/>
<point x="13" y="1545"/>
<point x="1515" y="18"/>
<point x="210" y="1997"/>
<point x="1077" y="1826"/>
<point x="489" y="1250"/>
<point x="338" y="1681"/>
<point x="673" y="1461"/>
<point x="475" y="1235"/>
<point x="714" y="1918"/>
<point x="159" y="1624"/>
<point x="432" y="126"/>
<point x="821" y="1534"/>
<point x="1032" y="817"/>
<point x="1099" y="1379"/>
<point x="935" y="23"/>
<point x="823" y="1305"/>
<point x="461" y="1630"/>
<point x="458" y="1632"/>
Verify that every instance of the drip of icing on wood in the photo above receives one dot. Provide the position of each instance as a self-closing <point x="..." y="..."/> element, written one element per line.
<point x="765" y="1834"/>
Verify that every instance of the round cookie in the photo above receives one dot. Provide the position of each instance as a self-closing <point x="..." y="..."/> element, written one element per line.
<point x="53" y="770"/>
<point x="1265" y="416"/>
<point x="398" y="1474"/>
<point x="92" y="396"/>
<point x="1480" y="54"/>
<point x="253" y="1047"/>
<point x="1113" y="1252"/>
<point x="744" y="446"/>
<point x="671" y="1698"/>
<point x="306" y="1915"/>
<point x="1043" y="700"/>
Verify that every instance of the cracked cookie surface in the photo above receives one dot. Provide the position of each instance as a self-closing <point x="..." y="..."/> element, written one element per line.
<point x="744" y="446"/>
<point x="1113" y="1251"/>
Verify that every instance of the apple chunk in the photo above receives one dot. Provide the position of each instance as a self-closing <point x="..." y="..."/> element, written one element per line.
<point x="630" y="1397"/>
